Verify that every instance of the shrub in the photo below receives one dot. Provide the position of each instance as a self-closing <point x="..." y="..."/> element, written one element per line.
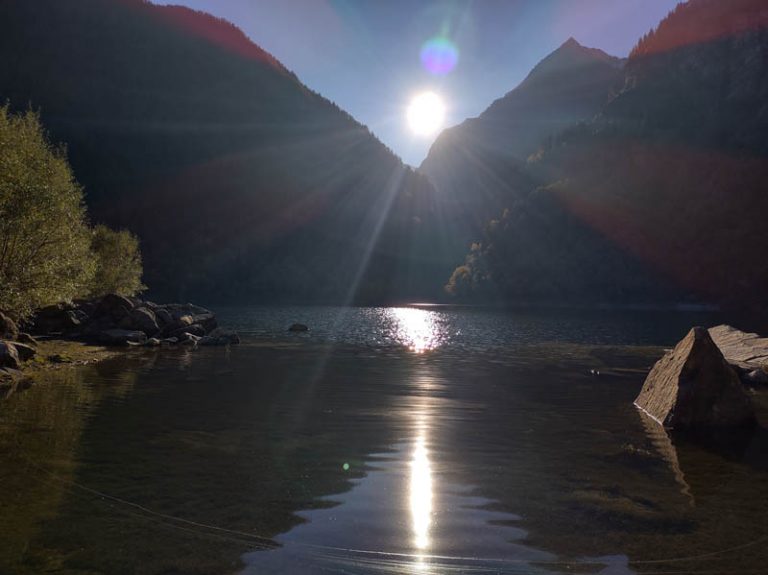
<point x="118" y="263"/>
<point x="45" y="253"/>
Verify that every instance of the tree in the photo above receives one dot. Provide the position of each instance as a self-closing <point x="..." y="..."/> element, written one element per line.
<point x="118" y="263"/>
<point x="45" y="253"/>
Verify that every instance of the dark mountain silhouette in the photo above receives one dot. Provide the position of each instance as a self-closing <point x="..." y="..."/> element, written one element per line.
<point x="479" y="165"/>
<point x="670" y="176"/>
<point x="240" y="181"/>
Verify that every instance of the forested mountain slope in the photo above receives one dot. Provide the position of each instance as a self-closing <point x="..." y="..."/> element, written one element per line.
<point x="670" y="176"/>
<point x="240" y="181"/>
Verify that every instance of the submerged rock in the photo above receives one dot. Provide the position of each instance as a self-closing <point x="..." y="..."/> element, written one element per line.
<point x="298" y="327"/>
<point x="693" y="386"/>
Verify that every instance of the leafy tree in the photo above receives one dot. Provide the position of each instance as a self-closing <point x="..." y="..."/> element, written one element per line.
<point x="118" y="262"/>
<point x="45" y="253"/>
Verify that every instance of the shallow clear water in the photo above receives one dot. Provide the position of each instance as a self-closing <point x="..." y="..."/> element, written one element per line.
<point x="382" y="441"/>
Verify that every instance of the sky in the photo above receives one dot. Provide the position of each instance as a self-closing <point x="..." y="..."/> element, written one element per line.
<point x="366" y="55"/>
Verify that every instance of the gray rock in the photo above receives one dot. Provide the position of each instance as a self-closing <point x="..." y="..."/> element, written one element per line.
<point x="143" y="319"/>
<point x="8" y="329"/>
<point x="756" y="377"/>
<point x="748" y="351"/>
<point x="196" y="330"/>
<point x="693" y="387"/>
<point x="298" y="327"/>
<point x="26" y="352"/>
<point x="163" y="317"/>
<point x="189" y="339"/>
<point x="9" y="357"/>
<point x="27" y="339"/>
<point x="115" y="306"/>
<point x="170" y="341"/>
<point x="153" y="342"/>
<point x="120" y="337"/>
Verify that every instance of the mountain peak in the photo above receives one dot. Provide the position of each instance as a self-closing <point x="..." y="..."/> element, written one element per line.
<point x="568" y="58"/>
<point x="570" y="43"/>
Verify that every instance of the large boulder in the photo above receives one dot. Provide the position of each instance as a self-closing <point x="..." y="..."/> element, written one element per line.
<point x="58" y="318"/>
<point x="163" y="317"/>
<point x="694" y="387"/>
<point x="8" y="329"/>
<point x="747" y="351"/>
<point x="114" y="306"/>
<point x="9" y="357"/>
<point x="142" y="319"/>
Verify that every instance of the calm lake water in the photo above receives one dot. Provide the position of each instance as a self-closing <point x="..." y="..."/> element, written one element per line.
<point x="385" y="440"/>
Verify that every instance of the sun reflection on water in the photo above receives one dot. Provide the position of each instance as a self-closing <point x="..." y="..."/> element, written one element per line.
<point x="421" y="494"/>
<point x="417" y="329"/>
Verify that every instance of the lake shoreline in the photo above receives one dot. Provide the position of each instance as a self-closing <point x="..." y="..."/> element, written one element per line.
<point x="53" y="354"/>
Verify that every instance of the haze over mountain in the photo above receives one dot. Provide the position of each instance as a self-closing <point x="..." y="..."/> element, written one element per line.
<point x="239" y="180"/>
<point x="661" y="194"/>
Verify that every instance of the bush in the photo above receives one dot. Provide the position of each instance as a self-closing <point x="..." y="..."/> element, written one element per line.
<point x="45" y="253"/>
<point x="118" y="263"/>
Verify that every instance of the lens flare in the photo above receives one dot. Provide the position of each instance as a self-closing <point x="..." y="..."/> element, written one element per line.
<point x="439" y="56"/>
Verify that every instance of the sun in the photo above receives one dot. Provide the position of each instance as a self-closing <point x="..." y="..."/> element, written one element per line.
<point x="426" y="114"/>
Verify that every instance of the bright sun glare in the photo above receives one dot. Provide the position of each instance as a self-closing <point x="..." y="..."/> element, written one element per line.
<point x="426" y="114"/>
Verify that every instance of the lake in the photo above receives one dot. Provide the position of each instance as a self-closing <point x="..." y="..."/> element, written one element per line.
<point x="418" y="440"/>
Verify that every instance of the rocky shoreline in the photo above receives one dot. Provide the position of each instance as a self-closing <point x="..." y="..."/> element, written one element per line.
<point x="110" y="321"/>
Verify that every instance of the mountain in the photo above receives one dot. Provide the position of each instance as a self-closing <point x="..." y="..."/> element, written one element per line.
<point x="479" y="165"/>
<point x="670" y="175"/>
<point x="240" y="181"/>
